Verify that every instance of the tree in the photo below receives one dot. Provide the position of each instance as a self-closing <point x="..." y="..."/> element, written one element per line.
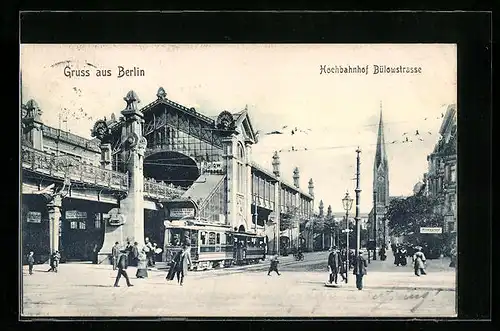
<point x="406" y="216"/>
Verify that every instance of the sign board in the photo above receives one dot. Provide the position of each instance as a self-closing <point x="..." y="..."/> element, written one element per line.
<point x="34" y="217"/>
<point x="431" y="230"/>
<point x="181" y="212"/>
<point x="75" y="214"/>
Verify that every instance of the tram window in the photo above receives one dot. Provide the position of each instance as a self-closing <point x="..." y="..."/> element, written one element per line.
<point x="218" y="239"/>
<point x="194" y="239"/>
<point x="203" y="236"/>
<point x="73" y="225"/>
<point x="223" y="239"/>
<point x="211" y="238"/>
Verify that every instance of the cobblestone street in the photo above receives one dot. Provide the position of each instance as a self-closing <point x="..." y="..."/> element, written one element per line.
<point x="87" y="290"/>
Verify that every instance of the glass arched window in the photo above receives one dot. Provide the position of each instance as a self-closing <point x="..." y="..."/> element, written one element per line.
<point x="241" y="152"/>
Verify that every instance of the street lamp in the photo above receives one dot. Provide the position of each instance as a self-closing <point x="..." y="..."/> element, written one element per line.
<point x="347" y="204"/>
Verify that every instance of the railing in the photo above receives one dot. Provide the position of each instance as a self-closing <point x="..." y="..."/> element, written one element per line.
<point x="69" y="137"/>
<point x="64" y="167"/>
<point x="161" y="190"/>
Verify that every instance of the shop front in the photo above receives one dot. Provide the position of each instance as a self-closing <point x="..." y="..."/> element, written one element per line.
<point x="34" y="228"/>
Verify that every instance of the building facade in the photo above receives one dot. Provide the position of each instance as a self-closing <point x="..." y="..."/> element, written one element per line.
<point x="152" y="164"/>
<point x="441" y="178"/>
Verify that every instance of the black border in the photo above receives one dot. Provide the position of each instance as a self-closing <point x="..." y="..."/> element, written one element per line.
<point x="471" y="31"/>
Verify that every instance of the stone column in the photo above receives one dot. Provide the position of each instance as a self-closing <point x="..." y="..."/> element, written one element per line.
<point x="130" y="215"/>
<point x="229" y="166"/>
<point x="248" y="188"/>
<point x="54" y="208"/>
<point x="277" y="215"/>
<point x="106" y="156"/>
<point x="133" y="152"/>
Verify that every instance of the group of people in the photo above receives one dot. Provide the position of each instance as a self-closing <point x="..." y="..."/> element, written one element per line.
<point x="143" y="258"/>
<point x="400" y="255"/>
<point x="337" y="263"/>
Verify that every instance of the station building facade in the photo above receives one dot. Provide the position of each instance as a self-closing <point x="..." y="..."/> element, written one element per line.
<point x="150" y="165"/>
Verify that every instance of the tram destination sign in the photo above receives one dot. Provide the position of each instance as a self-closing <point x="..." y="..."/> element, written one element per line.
<point x="431" y="230"/>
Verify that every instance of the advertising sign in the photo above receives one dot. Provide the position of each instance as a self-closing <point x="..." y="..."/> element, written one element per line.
<point x="75" y="214"/>
<point x="34" y="217"/>
<point x="181" y="212"/>
<point x="431" y="230"/>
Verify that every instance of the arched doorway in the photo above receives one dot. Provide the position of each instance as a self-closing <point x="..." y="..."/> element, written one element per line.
<point x="171" y="167"/>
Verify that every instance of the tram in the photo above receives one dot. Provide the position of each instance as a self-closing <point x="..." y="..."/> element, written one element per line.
<point x="212" y="246"/>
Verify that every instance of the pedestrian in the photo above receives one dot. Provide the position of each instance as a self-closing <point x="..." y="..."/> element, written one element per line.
<point x="148" y="249"/>
<point x="142" y="265"/>
<point x="183" y="264"/>
<point x="95" y="254"/>
<point x="382" y="254"/>
<point x="115" y="254"/>
<point x="31" y="262"/>
<point x="360" y="266"/>
<point x="135" y="254"/>
<point x="397" y="255"/>
<point x="122" y="266"/>
<point x="274" y="265"/>
<point x="402" y="256"/>
<point x="54" y="261"/>
<point x="419" y="262"/>
<point x="333" y="264"/>
<point x="128" y="248"/>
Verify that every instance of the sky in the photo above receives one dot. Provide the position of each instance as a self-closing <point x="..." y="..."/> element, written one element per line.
<point x="281" y="85"/>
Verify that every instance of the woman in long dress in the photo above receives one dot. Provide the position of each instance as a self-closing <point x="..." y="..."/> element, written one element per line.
<point x="142" y="265"/>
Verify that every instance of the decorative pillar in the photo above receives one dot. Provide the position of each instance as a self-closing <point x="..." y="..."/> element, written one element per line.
<point x="133" y="148"/>
<point x="127" y="222"/>
<point x="277" y="198"/>
<point x="33" y="125"/>
<point x="296" y="177"/>
<point x="310" y="212"/>
<point x="54" y="209"/>
<point x="106" y="156"/>
<point x="235" y="207"/>
<point x="248" y="188"/>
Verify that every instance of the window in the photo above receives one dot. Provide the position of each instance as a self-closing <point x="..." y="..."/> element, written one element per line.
<point x="211" y="238"/>
<point x="218" y="239"/>
<point x="453" y="174"/>
<point x="451" y="226"/>
<point x="203" y="236"/>
<point x="81" y="225"/>
<point x="73" y="225"/>
<point x="97" y="224"/>
<point x="223" y="239"/>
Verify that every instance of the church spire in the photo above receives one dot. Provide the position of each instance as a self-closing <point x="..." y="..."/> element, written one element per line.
<point x="380" y="154"/>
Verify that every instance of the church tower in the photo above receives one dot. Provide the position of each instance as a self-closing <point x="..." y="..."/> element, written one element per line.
<point x="381" y="167"/>
<point x="381" y="184"/>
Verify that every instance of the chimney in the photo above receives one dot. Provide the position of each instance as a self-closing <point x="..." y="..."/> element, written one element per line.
<point x="296" y="177"/>
<point x="321" y="207"/>
<point x="276" y="164"/>
<point x="311" y="187"/>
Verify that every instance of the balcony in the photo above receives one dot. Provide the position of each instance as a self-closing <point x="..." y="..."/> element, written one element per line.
<point x="62" y="167"/>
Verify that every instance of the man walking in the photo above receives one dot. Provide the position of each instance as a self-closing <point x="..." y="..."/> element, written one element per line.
<point x="183" y="264"/>
<point x="31" y="262"/>
<point x="115" y="254"/>
<point x="360" y="266"/>
<point x="274" y="265"/>
<point x="122" y="265"/>
<point x="333" y="264"/>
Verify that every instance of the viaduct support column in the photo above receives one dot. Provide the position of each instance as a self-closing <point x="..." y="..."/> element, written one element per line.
<point x="127" y="224"/>
<point x="54" y="208"/>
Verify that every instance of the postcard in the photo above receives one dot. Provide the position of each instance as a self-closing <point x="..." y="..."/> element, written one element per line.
<point x="238" y="180"/>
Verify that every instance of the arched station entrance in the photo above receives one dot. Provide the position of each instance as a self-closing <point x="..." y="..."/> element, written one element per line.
<point x="171" y="167"/>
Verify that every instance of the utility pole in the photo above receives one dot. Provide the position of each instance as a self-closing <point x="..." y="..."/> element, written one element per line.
<point x="357" y="190"/>
<point x="374" y="225"/>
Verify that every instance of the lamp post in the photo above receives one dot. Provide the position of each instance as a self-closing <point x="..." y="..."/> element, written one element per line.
<point x="347" y="204"/>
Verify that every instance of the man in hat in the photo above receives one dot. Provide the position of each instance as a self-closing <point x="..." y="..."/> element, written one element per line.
<point x="274" y="265"/>
<point x="115" y="254"/>
<point x="359" y="269"/>
<point x="122" y="265"/>
<point x="333" y="264"/>
<point x="183" y="263"/>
